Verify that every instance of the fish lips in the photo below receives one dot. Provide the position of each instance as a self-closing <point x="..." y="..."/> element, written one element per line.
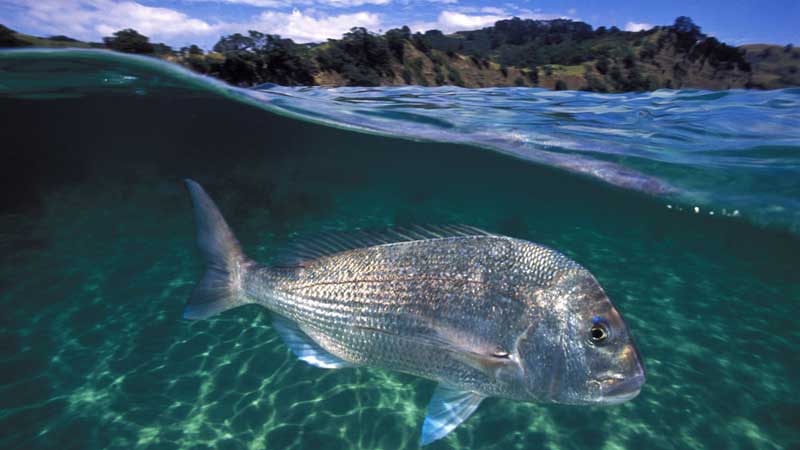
<point x="624" y="389"/>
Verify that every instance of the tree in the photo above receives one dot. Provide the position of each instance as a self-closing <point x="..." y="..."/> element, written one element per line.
<point x="685" y="25"/>
<point x="360" y="56"/>
<point x="284" y="62"/>
<point x="193" y="50"/>
<point x="162" y="49"/>
<point x="234" y="43"/>
<point x="533" y="75"/>
<point x="687" y="32"/>
<point x="593" y="84"/>
<point x="408" y="77"/>
<point x="396" y="38"/>
<point x="129" y="41"/>
<point x="648" y="51"/>
<point x="602" y="65"/>
<point x="616" y="75"/>
<point x="438" y="76"/>
<point x="240" y="66"/>
<point x="62" y="38"/>
<point x="419" y="42"/>
<point x="454" y="76"/>
<point x="261" y="58"/>
<point x="8" y="38"/>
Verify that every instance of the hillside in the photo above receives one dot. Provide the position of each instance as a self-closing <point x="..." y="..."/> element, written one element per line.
<point x="554" y="54"/>
<point x="773" y="66"/>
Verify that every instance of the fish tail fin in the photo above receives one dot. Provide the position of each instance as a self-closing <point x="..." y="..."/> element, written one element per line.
<point x="220" y="288"/>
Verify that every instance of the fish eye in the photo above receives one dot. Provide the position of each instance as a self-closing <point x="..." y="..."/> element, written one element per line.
<point x="599" y="332"/>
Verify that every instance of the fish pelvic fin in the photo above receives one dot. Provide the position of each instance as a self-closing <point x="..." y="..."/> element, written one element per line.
<point x="220" y="288"/>
<point x="304" y="346"/>
<point x="446" y="410"/>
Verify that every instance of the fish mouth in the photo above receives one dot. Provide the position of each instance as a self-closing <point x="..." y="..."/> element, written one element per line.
<point x="618" y="390"/>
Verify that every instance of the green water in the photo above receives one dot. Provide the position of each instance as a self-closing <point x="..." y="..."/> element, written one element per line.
<point x="98" y="258"/>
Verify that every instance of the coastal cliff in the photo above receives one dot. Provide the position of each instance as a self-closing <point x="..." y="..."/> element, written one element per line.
<point x="553" y="54"/>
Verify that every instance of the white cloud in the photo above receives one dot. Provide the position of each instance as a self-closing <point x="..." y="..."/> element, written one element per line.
<point x="307" y="27"/>
<point x="537" y="14"/>
<point x="457" y="21"/>
<point x="637" y="26"/>
<point x="258" y="3"/>
<point x="91" y="19"/>
<point x="493" y="10"/>
<point x="351" y="3"/>
<point x="287" y="3"/>
<point x="148" y="20"/>
<point x="94" y="19"/>
<point x="450" y="21"/>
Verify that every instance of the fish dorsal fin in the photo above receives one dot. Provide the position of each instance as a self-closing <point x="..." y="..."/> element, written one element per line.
<point x="305" y="348"/>
<point x="447" y="409"/>
<point x="319" y="245"/>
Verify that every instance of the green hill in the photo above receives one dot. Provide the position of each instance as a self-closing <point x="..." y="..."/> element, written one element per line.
<point x="554" y="54"/>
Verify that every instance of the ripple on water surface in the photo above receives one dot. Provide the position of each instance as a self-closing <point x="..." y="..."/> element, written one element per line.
<point x="98" y="258"/>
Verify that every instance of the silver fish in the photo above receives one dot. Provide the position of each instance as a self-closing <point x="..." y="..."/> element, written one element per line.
<point x="481" y="314"/>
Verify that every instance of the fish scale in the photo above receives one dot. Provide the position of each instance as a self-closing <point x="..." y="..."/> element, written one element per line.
<point x="400" y="291"/>
<point x="481" y="314"/>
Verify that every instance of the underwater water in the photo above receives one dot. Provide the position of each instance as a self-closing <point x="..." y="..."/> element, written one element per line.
<point x="97" y="252"/>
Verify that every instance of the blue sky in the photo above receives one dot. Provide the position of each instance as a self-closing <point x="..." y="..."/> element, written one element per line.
<point x="180" y="22"/>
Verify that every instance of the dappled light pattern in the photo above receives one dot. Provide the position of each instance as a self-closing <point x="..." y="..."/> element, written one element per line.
<point x="97" y="258"/>
<point x="97" y="355"/>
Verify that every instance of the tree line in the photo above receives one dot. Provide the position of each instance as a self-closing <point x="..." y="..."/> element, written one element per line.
<point x="613" y="60"/>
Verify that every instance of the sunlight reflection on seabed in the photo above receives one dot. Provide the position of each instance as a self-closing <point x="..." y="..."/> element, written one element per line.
<point x="97" y="258"/>
<point x="127" y="371"/>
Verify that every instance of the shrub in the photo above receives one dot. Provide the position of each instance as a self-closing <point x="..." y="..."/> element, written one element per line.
<point x="454" y="76"/>
<point x="602" y="65"/>
<point x="407" y="76"/>
<point x="129" y="41"/>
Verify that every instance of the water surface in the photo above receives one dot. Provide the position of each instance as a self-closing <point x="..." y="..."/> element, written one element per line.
<point x="98" y="255"/>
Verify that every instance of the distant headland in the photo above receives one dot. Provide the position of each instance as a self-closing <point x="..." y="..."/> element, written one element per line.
<point x="555" y="54"/>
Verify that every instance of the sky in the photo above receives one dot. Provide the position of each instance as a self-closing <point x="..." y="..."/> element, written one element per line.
<point x="202" y="22"/>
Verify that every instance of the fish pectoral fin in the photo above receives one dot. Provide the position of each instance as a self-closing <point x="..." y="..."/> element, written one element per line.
<point x="447" y="409"/>
<point x="496" y="367"/>
<point x="304" y="347"/>
<point x="497" y="364"/>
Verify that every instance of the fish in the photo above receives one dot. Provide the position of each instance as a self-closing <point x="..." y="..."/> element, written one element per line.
<point x="481" y="314"/>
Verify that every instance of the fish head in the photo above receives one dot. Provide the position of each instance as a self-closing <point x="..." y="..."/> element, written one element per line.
<point x="578" y="348"/>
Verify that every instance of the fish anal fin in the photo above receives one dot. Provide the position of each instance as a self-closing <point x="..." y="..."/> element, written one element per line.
<point x="447" y="409"/>
<point x="304" y="347"/>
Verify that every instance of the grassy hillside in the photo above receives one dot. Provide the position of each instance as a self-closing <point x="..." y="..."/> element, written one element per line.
<point x="773" y="66"/>
<point x="10" y="38"/>
<point x="554" y="54"/>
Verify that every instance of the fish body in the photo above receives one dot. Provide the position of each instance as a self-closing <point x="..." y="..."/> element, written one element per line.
<point x="481" y="314"/>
